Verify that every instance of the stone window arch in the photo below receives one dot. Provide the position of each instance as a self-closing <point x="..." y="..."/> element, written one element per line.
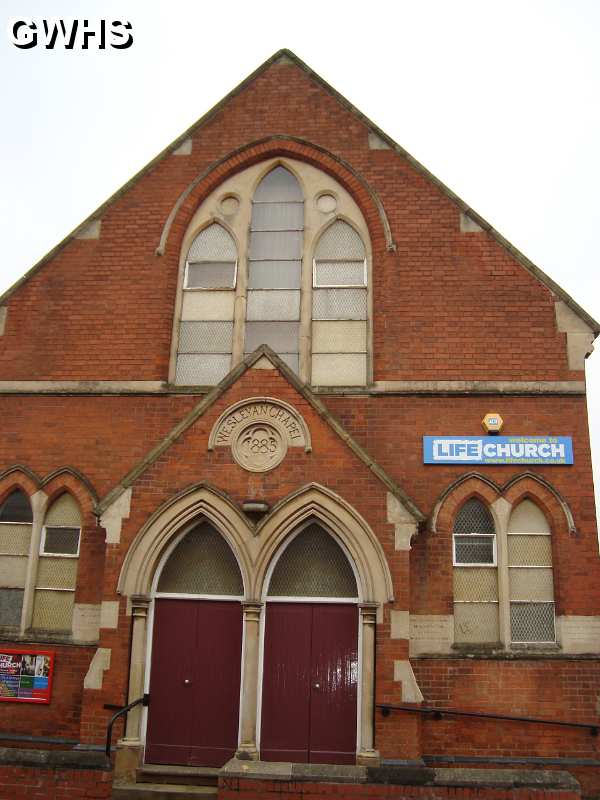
<point x="284" y="217"/>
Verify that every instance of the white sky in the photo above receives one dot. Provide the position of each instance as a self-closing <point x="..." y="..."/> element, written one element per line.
<point x="500" y="100"/>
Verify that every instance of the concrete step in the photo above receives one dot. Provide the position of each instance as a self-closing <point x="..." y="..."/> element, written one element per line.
<point x="162" y="791"/>
<point x="191" y="776"/>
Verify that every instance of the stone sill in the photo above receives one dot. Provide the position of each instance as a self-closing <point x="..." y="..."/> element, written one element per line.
<point x="54" y="759"/>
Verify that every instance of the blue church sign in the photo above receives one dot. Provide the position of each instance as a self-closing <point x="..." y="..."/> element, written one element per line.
<point x="497" y="450"/>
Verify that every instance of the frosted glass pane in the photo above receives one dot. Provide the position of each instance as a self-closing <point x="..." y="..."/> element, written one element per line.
<point x="476" y="583"/>
<point x="205" y="337"/>
<point x="211" y="276"/>
<point x="340" y="240"/>
<point x="275" y="245"/>
<point x="57" y="573"/>
<point x="346" y="369"/>
<point x="277" y="216"/>
<point x="213" y="244"/>
<point x="64" y="511"/>
<point x="53" y="611"/>
<point x="292" y="360"/>
<point x="279" y="184"/>
<point x="280" y="336"/>
<point x="313" y="565"/>
<point x="202" y="563"/>
<point x="531" y="584"/>
<point x="273" y="305"/>
<point x="339" y="336"/>
<point x="340" y="273"/>
<point x="532" y="622"/>
<point x="12" y="571"/>
<point x="207" y="305"/>
<point x="201" y="370"/>
<point x="527" y="518"/>
<point x="339" y="304"/>
<point x="476" y="623"/>
<point x="15" y="538"/>
<point x="11" y="603"/>
<point x="529" y="551"/>
<point x="274" y="274"/>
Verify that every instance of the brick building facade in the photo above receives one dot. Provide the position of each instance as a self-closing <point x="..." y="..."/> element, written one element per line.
<point x="215" y="395"/>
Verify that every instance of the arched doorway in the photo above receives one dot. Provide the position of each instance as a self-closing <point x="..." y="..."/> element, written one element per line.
<point x="193" y="716"/>
<point x="310" y="656"/>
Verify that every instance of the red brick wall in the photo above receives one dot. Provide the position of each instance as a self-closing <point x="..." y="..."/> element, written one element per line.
<point x="559" y="690"/>
<point x="33" y="783"/>
<point x="103" y="309"/>
<point x="60" y="717"/>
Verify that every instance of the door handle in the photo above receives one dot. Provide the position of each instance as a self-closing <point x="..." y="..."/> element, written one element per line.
<point x="187" y="682"/>
<point x="317" y="686"/>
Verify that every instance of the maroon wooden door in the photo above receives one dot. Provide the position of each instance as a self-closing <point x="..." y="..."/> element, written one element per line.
<point x="194" y="682"/>
<point x="310" y="679"/>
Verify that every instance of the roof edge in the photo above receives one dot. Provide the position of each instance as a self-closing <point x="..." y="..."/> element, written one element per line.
<point x="284" y="53"/>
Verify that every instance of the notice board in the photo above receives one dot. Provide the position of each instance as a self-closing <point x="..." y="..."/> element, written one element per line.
<point x="26" y="675"/>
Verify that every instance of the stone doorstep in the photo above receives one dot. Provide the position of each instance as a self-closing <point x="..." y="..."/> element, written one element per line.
<point x="180" y="775"/>
<point x="551" y="780"/>
<point x="162" y="791"/>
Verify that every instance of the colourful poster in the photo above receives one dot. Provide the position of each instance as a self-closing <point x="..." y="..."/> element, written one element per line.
<point x="26" y="676"/>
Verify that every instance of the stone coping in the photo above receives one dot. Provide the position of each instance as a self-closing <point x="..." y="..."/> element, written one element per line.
<point x="54" y="759"/>
<point x="401" y="775"/>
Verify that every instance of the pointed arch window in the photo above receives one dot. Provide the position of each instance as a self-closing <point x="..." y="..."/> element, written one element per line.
<point x="476" y="609"/>
<point x="281" y="258"/>
<point x="531" y="583"/>
<point x="275" y="265"/>
<point x="339" y="308"/>
<point x="205" y="339"/>
<point x="313" y="565"/>
<point x="15" y="538"/>
<point x="202" y="563"/>
<point x="54" y="595"/>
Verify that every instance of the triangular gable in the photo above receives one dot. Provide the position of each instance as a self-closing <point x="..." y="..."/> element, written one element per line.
<point x="203" y="405"/>
<point x="286" y="56"/>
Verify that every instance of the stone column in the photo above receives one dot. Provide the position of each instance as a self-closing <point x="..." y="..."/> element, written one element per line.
<point x="366" y="753"/>
<point x="130" y="748"/>
<point x="247" y="746"/>
<point x="39" y="501"/>
<point x="137" y="666"/>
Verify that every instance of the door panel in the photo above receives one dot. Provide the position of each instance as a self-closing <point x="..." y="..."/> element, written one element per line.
<point x="216" y="676"/>
<point x="310" y="683"/>
<point x="194" y="723"/>
<point x="286" y="687"/>
<point x="334" y="684"/>
<point x="170" y="717"/>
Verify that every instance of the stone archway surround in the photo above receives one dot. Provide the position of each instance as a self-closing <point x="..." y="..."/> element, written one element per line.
<point x="254" y="548"/>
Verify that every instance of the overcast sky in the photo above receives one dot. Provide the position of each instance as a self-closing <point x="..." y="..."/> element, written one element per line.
<point x="500" y="100"/>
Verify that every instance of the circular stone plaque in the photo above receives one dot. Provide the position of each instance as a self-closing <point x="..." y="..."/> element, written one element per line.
<point x="259" y="447"/>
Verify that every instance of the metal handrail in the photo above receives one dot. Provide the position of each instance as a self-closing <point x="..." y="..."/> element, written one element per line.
<point x="438" y="713"/>
<point x="144" y="700"/>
